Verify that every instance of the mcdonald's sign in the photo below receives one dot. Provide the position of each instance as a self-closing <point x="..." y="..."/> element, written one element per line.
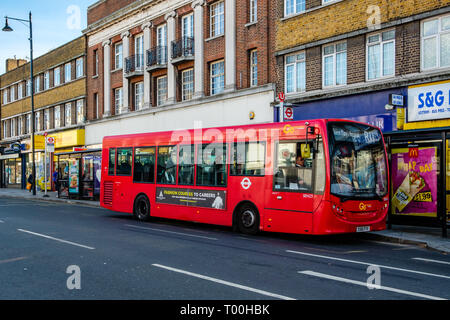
<point x="413" y="152"/>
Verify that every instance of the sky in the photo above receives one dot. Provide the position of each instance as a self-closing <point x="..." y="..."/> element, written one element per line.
<point x="55" y="22"/>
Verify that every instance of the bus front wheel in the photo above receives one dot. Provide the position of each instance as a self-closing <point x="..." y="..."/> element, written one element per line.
<point x="248" y="219"/>
<point x="141" y="208"/>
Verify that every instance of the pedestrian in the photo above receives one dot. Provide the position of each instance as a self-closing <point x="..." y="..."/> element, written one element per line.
<point x="30" y="180"/>
<point x="56" y="181"/>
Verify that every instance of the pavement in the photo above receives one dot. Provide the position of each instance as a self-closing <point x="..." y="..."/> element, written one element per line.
<point x="430" y="238"/>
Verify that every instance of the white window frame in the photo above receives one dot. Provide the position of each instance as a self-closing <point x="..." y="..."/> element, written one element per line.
<point x="118" y="100"/>
<point x="37" y="81"/>
<point x="57" y="115"/>
<point x="19" y="125"/>
<point x="5" y="129"/>
<point x="20" y="91"/>
<point x="57" y="76"/>
<point x="187" y="26"/>
<point x="79" y="72"/>
<point x="217" y="19"/>
<point x="382" y="43"/>
<point x="187" y="84"/>
<point x="28" y="123"/>
<point x="46" y="80"/>
<point x="46" y="119"/>
<point x="139" y="51"/>
<point x="161" y="91"/>
<point x="28" y="88"/>
<point x="5" y="96"/>
<point x="334" y="56"/>
<point x="139" y="95"/>
<point x="13" y="127"/>
<point x="37" y="121"/>
<point x="297" y="60"/>
<point x="80" y="111"/>
<point x="95" y="63"/>
<point x="67" y="72"/>
<point x="438" y="36"/>
<point x="253" y="11"/>
<point x="118" y="56"/>
<point x="295" y="4"/>
<point x="220" y="75"/>
<point x="68" y="114"/>
<point x="254" y="68"/>
<point x="161" y="35"/>
<point x="12" y="92"/>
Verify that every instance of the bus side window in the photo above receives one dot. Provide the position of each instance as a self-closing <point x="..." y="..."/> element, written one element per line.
<point x="186" y="165"/>
<point x="123" y="163"/>
<point x="144" y="165"/>
<point x="248" y="159"/>
<point x="112" y="161"/>
<point x="211" y="165"/>
<point x="167" y="161"/>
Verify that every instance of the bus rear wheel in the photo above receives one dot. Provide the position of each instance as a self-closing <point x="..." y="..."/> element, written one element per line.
<point x="141" y="209"/>
<point x="248" y="219"/>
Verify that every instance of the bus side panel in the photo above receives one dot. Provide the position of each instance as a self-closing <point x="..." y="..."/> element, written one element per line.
<point x="171" y="211"/>
<point x="288" y="221"/>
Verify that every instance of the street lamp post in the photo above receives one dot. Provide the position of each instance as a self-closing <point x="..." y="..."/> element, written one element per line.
<point x="7" y="28"/>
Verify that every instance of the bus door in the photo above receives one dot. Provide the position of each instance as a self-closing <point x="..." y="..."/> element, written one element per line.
<point x="290" y="201"/>
<point x="123" y="180"/>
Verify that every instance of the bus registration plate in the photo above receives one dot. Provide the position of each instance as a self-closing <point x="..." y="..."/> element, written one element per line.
<point x="363" y="229"/>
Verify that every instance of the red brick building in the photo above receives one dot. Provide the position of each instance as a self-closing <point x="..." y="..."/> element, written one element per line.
<point x="163" y="65"/>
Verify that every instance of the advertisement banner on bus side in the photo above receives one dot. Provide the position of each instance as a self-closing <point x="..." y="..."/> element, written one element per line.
<point x="414" y="180"/>
<point x="214" y="199"/>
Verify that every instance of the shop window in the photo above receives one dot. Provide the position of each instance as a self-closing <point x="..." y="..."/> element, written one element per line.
<point x="248" y="159"/>
<point x="211" y="165"/>
<point x="123" y="163"/>
<point x="186" y="165"/>
<point x="167" y="160"/>
<point x="144" y="165"/>
<point x="293" y="167"/>
<point x="112" y="162"/>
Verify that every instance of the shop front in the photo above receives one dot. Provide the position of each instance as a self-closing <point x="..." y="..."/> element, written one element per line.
<point x="12" y="165"/>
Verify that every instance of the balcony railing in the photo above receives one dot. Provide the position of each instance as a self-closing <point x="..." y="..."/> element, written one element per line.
<point x="183" y="48"/>
<point x="134" y="63"/>
<point x="157" y="56"/>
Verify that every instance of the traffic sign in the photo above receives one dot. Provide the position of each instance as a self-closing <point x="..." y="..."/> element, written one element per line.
<point x="288" y="113"/>
<point x="281" y="96"/>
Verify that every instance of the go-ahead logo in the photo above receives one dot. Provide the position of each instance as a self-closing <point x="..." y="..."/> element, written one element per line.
<point x="363" y="206"/>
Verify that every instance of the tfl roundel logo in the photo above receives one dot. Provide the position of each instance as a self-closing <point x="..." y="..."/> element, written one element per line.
<point x="246" y="183"/>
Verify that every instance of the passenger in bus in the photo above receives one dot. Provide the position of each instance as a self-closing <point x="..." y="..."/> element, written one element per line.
<point x="300" y="162"/>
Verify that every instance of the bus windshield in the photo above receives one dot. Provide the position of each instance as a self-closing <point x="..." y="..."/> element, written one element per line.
<point x="358" y="161"/>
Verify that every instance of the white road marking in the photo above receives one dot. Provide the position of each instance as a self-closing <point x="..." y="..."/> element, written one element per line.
<point x="173" y="232"/>
<point x="369" y="264"/>
<point x="364" y="284"/>
<point x="56" y="239"/>
<point x="429" y="260"/>
<point x="231" y="284"/>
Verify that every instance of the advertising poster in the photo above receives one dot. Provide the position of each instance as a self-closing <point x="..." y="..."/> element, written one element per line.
<point x="414" y="181"/>
<point x="73" y="176"/>
<point x="97" y="174"/>
<point x="214" y="199"/>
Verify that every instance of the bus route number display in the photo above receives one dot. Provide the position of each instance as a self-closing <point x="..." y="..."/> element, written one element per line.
<point x="214" y="199"/>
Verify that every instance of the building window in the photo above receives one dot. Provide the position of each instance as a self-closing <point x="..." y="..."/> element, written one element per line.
<point x="335" y="64"/>
<point x="253" y="10"/>
<point x="139" y="96"/>
<point x="28" y="123"/>
<point x="13" y="93"/>
<point x="57" y="76"/>
<point x="295" y="74"/>
<point x="68" y="114"/>
<point x="46" y="119"/>
<point x="95" y="62"/>
<point x="46" y="80"/>
<point x="57" y="116"/>
<point x="80" y="111"/>
<point x="96" y="105"/>
<point x="381" y="55"/>
<point x="253" y="68"/>
<point x="20" y="91"/>
<point x="217" y="77"/>
<point x="5" y="130"/>
<point x="217" y="19"/>
<point x="188" y="26"/>
<point x="13" y="127"/>
<point x="118" y="57"/>
<point x="80" y="68"/>
<point x="294" y="6"/>
<point x="5" y="96"/>
<point x="139" y="51"/>
<point x="187" y="78"/>
<point x="38" y="83"/>
<point x="28" y="89"/>
<point x="19" y="126"/>
<point x="37" y="121"/>
<point x="67" y="72"/>
<point x="161" y="90"/>
<point x="436" y="43"/>
<point x="118" y="100"/>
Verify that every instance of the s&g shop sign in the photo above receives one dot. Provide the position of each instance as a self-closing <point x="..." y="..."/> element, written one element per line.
<point x="429" y="102"/>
